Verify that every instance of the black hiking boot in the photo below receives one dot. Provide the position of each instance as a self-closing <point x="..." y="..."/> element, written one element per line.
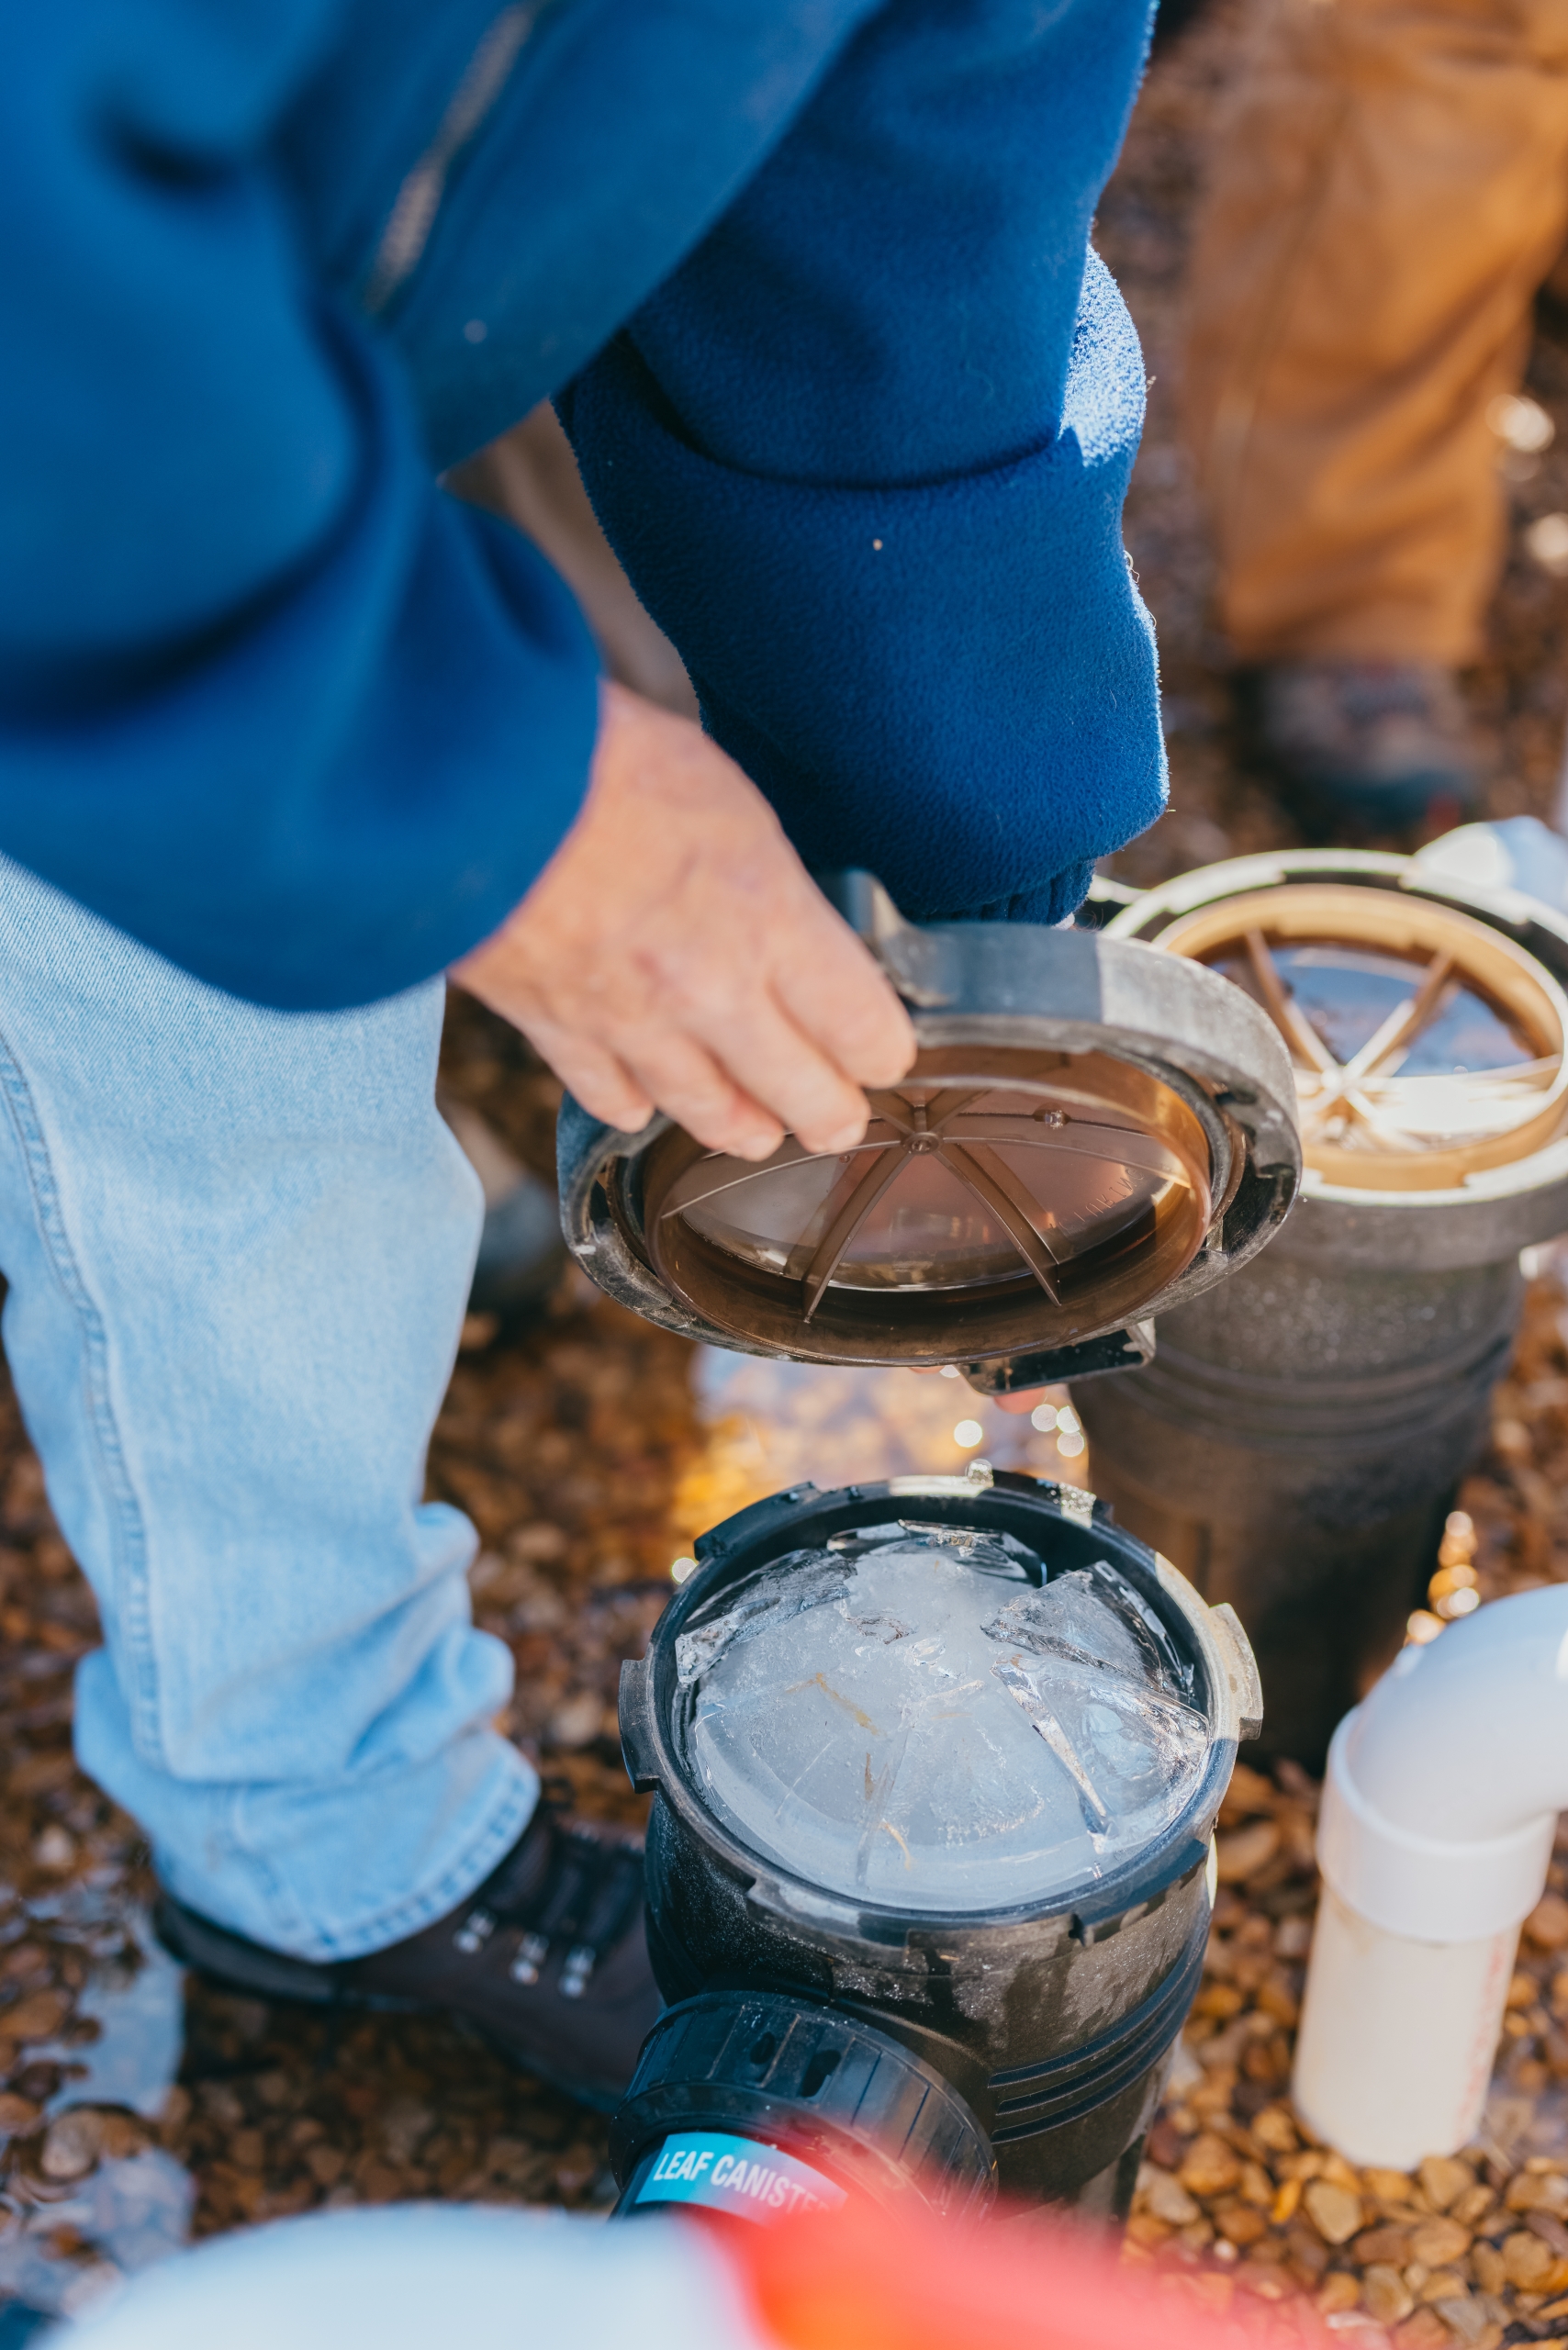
<point x="547" y="1960"/>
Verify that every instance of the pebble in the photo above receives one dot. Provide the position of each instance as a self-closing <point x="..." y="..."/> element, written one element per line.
<point x="1274" y="2128"/>
<point x="1443" y="2285"/>
<point x="1547" y="1925"/>
<point x="1167" y="2198"/>
<point x="1464" y="2316"/>
<point x="1537" y="2191"/>
<point x="1390" y="2244"/>
<point x="1240" y="2223"/>
<point x="1442" y="2180"/>
<point x="1334" y="2211"/>
<point x="1436" y="2242"/>
<point x="577" y="1722"/>
<point x="37" y="2018"/>
<point x="1527" y="2261"/>
<point x="1387" y="2296"/>
<point x="1242" y="1854"/>
<point x="71" y="2146"/>
<point x="1209" y="2167"/>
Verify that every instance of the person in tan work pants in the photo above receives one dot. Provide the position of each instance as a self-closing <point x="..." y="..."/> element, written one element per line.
<point x="1388" y="191"/>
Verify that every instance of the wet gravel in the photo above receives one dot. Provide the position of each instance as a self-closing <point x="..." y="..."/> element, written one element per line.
<point x="139" y="2108"/>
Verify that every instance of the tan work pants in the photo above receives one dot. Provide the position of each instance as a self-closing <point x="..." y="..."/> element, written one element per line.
<point x="1388" y="189"/>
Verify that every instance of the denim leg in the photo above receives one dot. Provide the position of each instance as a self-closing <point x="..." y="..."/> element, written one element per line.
<point x="238" y="1244"/>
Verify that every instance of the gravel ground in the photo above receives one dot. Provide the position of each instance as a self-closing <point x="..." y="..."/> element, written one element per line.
<point x="141" y="2108"/>
<point x="137" y="2108"/>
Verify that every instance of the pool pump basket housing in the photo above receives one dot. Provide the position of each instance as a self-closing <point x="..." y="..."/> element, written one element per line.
<point x="938" y="2033"/>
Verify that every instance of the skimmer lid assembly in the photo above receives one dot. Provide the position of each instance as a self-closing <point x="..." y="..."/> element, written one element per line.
<point x="1092" y="1131"/>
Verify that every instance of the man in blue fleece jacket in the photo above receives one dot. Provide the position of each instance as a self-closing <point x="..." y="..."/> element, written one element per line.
<point x="285" y="731"/>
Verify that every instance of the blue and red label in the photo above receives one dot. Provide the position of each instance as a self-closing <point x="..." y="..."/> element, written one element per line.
<point x="736" y="2175"/>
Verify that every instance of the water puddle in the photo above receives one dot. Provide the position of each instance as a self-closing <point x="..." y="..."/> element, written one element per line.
<point x="770" y="1424"/>
<point x="135" y="1999"/>
<point x="89" y="2197"/>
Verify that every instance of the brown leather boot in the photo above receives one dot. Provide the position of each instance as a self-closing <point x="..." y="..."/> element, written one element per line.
<point x="547" y="1960"/>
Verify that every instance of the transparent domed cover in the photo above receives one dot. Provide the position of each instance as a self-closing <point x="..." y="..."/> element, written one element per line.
<point x="920" y="1717"/>
<point x="1001" y="1196"/>
<point x="937" y="1206"/>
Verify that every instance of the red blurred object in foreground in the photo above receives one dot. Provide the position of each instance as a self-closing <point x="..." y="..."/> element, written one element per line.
<point x="865" y="2278"/>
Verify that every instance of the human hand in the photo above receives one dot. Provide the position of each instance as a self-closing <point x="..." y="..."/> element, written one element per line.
<point x="675" y="954"/>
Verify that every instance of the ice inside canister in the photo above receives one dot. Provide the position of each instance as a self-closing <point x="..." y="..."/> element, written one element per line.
<point x="926" y="1716"/>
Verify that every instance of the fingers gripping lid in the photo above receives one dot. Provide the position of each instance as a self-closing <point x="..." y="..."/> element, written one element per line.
<point x="1090" y="1132"/>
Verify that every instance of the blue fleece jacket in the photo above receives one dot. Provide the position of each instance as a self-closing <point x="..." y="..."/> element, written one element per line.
<point x="812" y="281"/>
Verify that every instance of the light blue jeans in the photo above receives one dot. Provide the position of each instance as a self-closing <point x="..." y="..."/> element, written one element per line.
<point x="238" y="1244"/>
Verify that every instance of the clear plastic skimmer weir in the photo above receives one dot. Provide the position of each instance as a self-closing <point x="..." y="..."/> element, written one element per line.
<point x="914" y="1714"/>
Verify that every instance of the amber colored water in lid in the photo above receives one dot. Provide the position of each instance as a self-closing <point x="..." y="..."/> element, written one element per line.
<point x="1001" y="1196"/>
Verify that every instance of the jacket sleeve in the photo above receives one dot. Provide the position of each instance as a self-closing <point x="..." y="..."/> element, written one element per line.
<point x="864" y="454"/>
<point x="269" y="700"/>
